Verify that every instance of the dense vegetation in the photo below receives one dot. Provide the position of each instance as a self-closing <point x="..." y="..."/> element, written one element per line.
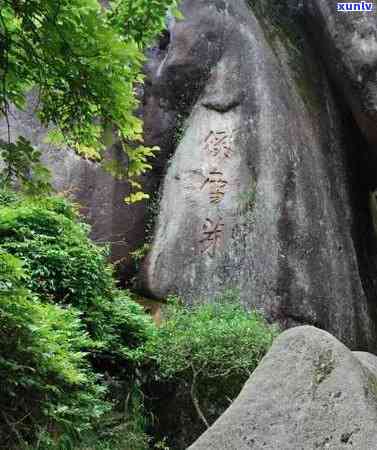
<point x="78" y="356"/>
<point x="69" y="338"/>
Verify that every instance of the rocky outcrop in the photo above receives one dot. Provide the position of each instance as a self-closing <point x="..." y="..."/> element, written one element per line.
<point x="309" y="392"/>
<point x="258" y="195"/>
<point x="100" y="196"/>
<point x="348" y="44"/>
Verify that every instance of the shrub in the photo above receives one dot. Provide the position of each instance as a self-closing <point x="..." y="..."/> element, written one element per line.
<point x="46" y="382"/>
<point x="206" y="353"/>
<point x="75" y="335"/>
<point x="64" y="266"/>
<point x="8" y="197"/>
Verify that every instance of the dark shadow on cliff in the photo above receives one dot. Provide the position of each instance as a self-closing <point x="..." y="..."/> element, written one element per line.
<point x="362" y="170"/>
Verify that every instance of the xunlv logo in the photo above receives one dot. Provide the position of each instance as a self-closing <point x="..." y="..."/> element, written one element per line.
<point x="360" y="6"/>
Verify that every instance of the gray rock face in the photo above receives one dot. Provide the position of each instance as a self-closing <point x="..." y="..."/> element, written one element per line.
<point x="100" y="196"/>
<point x="348" y="43"/>
<point x="309" y="392"/>
<point x="257" y="194"/>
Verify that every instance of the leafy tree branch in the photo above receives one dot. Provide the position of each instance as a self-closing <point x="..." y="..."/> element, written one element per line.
<point x="85" y="61"/>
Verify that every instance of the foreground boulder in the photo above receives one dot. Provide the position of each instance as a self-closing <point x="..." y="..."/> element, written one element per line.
<point x="309" y="392"/>
<point x="258" y="195"/>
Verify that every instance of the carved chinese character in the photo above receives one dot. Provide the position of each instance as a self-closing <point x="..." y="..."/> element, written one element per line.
<point x="217" y="186"/>
<point x="218" y="143"/>
<point x="212" y="235"/>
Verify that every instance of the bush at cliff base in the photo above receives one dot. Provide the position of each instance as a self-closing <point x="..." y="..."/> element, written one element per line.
<point x="69" y="340"/>
<point x="202" y="357"/>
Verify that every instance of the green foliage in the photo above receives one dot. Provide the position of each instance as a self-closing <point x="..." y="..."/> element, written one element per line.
<point x="46" y="381"/>
<point x="110" y="434"/>
<point x="22" y="163"/>
<point x="8" y="197"/>
<point x="211" y="340"/>
<point x="140" y="253"/>
<point x="84" y="60"/>
<point x="65" y="267"/>
<point x="208" y="352"/>
<point x="70" y="341"/>
<point x="62" y="263"/>
<point x="141" y="20"/>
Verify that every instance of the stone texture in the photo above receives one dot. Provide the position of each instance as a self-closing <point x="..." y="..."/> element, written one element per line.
<point x="348" y="44"/>
<point x="257" y="196"/>
<point x="309" y="392"/>
<point x="100" y="196"/>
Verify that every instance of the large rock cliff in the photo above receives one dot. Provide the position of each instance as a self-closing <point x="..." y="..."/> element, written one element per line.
<point x="258" y="195"/>
<point x="267" y="188"/>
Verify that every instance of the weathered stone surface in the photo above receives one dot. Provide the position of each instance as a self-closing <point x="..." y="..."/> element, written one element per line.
<point x="367" y="359"/>
<point x="100" y="196"/>
<point x="309" y="392"/>
<point x="348" y="43"/>
<point x="258" y="193"/>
